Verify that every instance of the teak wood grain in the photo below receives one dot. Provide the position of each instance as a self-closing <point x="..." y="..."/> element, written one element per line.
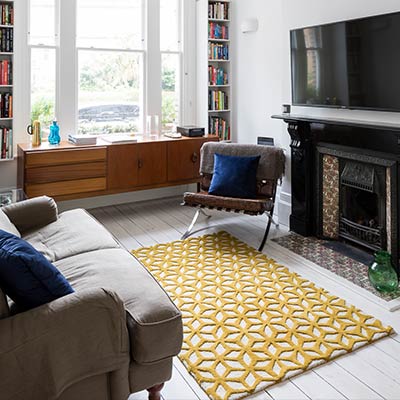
<point x="70" y="172"/>
<point x="57" y="173"/>
<point x="184" y="160"/>
<point x="122" y="166"/>
<point x="152" y="163"/>
<point x="60" y="157"/>
<point x="61" y="188"/>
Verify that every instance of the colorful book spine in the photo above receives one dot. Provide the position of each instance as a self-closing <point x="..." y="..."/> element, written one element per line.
<point x="217" y="100"/>
<point x="5" y="72"/>
<point x="6" y="143"/>
<point x="218" y="126"/>
<point x="6" y="14"/>
<point x="217" y="31"/>
<point x="217" y="51"/>
<point x="6" y="105"/>
<point x="6" y="40"/>
<point x="217" y="76"/>
<point x="218" y="10"/>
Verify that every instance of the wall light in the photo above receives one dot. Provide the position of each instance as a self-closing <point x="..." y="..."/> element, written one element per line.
<point x="249" y="25"/>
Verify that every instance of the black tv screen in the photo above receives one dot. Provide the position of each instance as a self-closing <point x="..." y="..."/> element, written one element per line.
<point x="350" y="64"/>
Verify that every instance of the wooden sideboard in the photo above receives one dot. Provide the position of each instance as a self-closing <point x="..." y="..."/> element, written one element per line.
<point x="70" y="172"/>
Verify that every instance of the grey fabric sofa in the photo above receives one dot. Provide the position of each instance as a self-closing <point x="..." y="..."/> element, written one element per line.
<point x="117" y="334"/>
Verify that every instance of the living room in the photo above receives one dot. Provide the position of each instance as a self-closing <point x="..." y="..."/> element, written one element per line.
<point x="199" y="199"/>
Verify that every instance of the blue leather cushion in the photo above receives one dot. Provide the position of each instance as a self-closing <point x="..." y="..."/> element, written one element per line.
<point x="28" y="278"/>
<point x="234" y="176"/>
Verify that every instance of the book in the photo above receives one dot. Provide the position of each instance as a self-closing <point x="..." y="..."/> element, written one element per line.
<point x="119" y="139"/>
<point x="83" y="140"/>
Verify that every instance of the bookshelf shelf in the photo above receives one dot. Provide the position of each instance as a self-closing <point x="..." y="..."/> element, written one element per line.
<point x="219" y="111"/>
<point x="219" y="86"/>
<point x="218" y="20"/>
<point x="6" y="80"/>
<point x="218" y="40"/>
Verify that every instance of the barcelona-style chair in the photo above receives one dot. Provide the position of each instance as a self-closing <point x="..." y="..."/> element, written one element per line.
<point x="270" y="171"/>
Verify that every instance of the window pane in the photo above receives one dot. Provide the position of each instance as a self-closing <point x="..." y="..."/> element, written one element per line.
<point x="170" y="90"/>
<point x="169" y="25"/>
<point x="110" y="88"/>
<point x="107" y="24"/>
<point x="43" y="86"/>
<point x="42" y="22"/>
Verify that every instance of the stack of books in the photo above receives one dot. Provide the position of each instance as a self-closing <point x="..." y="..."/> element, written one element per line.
<point x="82" y="140"/>
<point x="217" y="31"/>
<point x="7" y="14"/>
<point x="217" y="100"/>
<point x="5" y="72"/>
<point x="219" y="127"/>
<point x="218" y="10"/>
<point x="6" y="143"/>
<point x="6" y="105"/>
<point x="218" y="51"/>
<point x="6" y="40"/>
<point x="217" y="76"/>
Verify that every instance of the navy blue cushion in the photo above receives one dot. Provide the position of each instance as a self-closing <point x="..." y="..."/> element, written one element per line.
<point x="234" y="176"/>
<point x="26" y="276"/>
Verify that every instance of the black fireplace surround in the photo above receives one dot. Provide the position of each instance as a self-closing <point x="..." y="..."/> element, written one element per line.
<point x="365" y="151"/>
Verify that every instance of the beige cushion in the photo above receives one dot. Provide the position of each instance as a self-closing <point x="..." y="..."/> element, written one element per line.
<point x="7" y="225"/>
<point x="32" y="214"/>
<point x="73" y="233"/>
<point x="4" y="310"/>
<point x="154" y="322"/>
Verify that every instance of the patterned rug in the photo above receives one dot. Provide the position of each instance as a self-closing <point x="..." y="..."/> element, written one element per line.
<point x="318" y="252"/>
<point x="249" y="322"/>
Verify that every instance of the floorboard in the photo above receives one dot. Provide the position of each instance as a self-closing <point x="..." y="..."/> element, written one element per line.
<point x="369" y="373"/>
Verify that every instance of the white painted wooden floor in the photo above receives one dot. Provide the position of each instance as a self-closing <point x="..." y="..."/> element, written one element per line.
<point x="372" y="372"/>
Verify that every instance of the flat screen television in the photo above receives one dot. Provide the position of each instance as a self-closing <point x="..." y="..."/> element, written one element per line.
<point x="351" y="64"/>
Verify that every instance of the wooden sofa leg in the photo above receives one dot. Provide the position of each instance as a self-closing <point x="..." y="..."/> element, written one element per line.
<point x="155" y="392"/>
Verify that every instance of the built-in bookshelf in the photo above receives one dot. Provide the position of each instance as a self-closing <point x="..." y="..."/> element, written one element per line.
<point x="215" y="109"/>
<point x="6" y="79"/>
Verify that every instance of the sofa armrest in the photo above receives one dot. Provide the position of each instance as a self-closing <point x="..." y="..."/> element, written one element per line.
<point x="45" y="350"/>
<point x="32" y="214"/>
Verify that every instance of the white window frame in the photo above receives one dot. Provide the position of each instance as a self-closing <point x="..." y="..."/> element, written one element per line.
<point x="41" y="46"/>
<point x="180" y="53"/>
<point x="67" y="79"/>
<point x="141" y="51"/>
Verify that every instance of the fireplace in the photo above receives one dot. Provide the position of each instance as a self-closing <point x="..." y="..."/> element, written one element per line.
<point x="362" y="204"/>
<point x="345" y="180"/>
<point x="354" y="197"/>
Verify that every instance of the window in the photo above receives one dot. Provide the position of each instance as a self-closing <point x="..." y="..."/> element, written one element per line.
<point x="43" y="44"/>
<point x="110" y="57"/>
<point x="171" y="60"/>
<point x="105" y="76"/>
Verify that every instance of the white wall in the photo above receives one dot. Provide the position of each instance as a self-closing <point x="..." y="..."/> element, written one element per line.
<point x="262" y="67"/>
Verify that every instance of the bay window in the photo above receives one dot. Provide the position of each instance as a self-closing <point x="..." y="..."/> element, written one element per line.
<point x="106" y="68"/>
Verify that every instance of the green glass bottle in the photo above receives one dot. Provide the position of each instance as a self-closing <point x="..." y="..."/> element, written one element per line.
<point x="381" y="273"/>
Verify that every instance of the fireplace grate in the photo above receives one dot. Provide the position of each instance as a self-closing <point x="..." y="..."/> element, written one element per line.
<point x="361" y="234"/>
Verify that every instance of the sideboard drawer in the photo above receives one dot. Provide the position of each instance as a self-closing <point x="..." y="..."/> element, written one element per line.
<point x="61" y="157"/>
<point x="66" y="187"/>
<point x="55" y="173"/>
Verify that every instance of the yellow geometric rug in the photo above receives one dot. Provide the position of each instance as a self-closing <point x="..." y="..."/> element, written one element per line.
<point x="249" y="322"/>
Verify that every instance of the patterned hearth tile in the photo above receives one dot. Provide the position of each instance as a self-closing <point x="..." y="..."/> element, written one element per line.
<point x="314" y="250"/>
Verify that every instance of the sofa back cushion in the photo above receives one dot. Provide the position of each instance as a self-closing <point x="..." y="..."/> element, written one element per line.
<point x="4" y="310"/>
<point x="26" y="276"/>
<point x="7" y="225"/>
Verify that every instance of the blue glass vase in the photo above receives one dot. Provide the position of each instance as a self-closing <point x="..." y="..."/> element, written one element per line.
<point x="54" y="136"/>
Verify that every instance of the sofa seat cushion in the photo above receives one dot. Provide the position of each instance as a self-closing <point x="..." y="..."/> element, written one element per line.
<point x="154" y="322"/>
<point x="74" y="232"/>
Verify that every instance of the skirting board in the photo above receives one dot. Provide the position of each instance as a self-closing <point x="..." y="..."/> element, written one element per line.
<point x="284" y="208"/>
<point x="123" y="198"/>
